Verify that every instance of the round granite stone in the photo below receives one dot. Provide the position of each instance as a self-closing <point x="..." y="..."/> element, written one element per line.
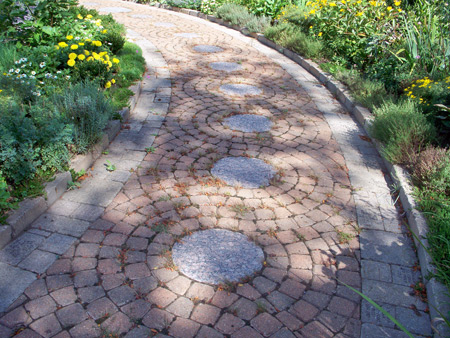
<point x="240" y="89"/>
<point x="141" y="16"/>
<point x="225" y="66"/>
<point x="114" y="9"/>
<point x="243" y="171"/>
<point x="207" y="49"/>
<point x="187" y="35"/>
<point x="216" y="256"/>
<point x="248" y="123"/>
<point x="163" y="24"/>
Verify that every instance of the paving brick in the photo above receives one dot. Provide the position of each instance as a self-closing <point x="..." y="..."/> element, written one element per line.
<point x="280" y="301"/>
<point x="87" y="250"/>
<point x="58" y="281"/>
<point x="264" y="285"/>
<point x="292" y="288"/>
<point x="145" y="285"/>
<point x="136" y="271"/>
<point x="332" y="321"/>
<point x="200" y="291"/>
<point x="165" y="275"/>
<point x="38" y="261"/>
<point x="85" y="278"/>
<point x="57" y="243"/>
<point x="40" y="307"/>
<point x="37" y="289"/>
<point x="341" y="306"/>
<point x="183" y="328"/>
<point x="90" y="293"/>
<point x="205" y="314"/>
<point x="71" y="315"/>
<point x="47" y="326"/>
<point x="112" y="281"/>
<point x="108" y="266"/>
<point x="304" y="311"/>
<point x="88" y="329"/>
<point x="16" y="317"/>
<point x="228" y="324"/>
<point x="248" y="291"/>
<point x="246" y="332"/>
<point x="266" y="324"/>
<point x="224" y="299"/>
<point x="137" y="309"/>
<point x="179" y="285"/>
<point x="61" y="266"/>
<point x="118" y="323"/>
<point x="158" y="319"/>
<point x="316" y="329"/>
<point x="122" y="295"/>
<point x="101" y="308"/>
<point x="20" y="248"/>
<point x="289" y="320"/>
<point x="208" y="332"/>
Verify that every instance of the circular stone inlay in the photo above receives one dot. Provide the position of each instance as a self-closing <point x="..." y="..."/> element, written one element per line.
<point x="243" y="171"/>
<point x="163" y="24"/>
<point x="140" y="16"/>
<point x="225" y="66"/>
<point x="216" y="256"/>
<point x="187" y="35"/>
<point x="240" y="89"/>
<point x="207" y="49"/>
<point x="248" y="123"/>
<point x="114" y="9"/>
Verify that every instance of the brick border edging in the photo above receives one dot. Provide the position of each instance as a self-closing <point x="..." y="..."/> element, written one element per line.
<point x="437" y="293"/>
<point x="31" y="208"/>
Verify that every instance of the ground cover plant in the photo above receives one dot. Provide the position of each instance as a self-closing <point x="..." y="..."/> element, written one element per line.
<point x="64" y="72"/>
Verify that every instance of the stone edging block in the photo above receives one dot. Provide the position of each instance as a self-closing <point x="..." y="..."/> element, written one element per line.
<point x="436" y="291"/>
<point x="30" y="209"/>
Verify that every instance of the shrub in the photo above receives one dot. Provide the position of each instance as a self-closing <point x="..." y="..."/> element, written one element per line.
<point x="292" y="37"/>
<point x="114" y="40"/>
<point x="239" y="15"/>
<point x="270" y="8"/>
<point x="402" y="129"/>
<point x="86" y="107"/>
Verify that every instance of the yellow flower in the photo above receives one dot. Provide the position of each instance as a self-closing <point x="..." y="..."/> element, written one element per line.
<point x="96" y="43"/>
<point x="81" y="57"/>
<point x="95" y="55"/>
<point x="57" y="47"/>
<point x="108" y="84"/>
<point x="109" y="64"/>
<point x="102" y="53"/>
<point x="320" y="34"/>
<point x="399" y="9"/>
<point x="397" y="3"/>
<point x="389" y="8"/>
<point x="79" y="16"/>
<point x="72" y="56"/>
<point x="74" y="47"/>
<point x="62" y="44"/>
<point x="104" y="31"/>
<point x="81" y="43"/>
<point x="115" y="60"/>
<point x="90" y="58"/>
<point x="113" y="81"/>
<point x="71" y="63"/>
<point x="69" y="37"/>
<point x="332" y="4"/>
<point x="359" y="13"/>
<point x="86" y="52"/>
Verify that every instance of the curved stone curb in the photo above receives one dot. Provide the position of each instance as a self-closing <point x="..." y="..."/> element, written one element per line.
<point x="54" y="227"/>
<point x="436" y="291"/>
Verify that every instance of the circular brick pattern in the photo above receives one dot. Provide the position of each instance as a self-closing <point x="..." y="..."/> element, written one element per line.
<point x="207" y="49"/>
<point x="163" y="24"/>
<point x="225" y="66"/>
<point x="216" y="256"/>
<point x="114" y="9"/>
<point x="240" y="89"/>
<point x="187" y="35"/>
<point x="243" y="171"/>
<point x="248" y="123"/>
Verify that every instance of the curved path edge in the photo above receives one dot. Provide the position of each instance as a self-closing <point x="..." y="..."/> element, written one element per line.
<point x="38" y="246"/>
<point x="437" y="293"/>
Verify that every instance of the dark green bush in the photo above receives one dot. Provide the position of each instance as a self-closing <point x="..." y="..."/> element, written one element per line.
<point x="85" y="107"/>
<point x="114" y="41"/>
<point x="402" y="129"/>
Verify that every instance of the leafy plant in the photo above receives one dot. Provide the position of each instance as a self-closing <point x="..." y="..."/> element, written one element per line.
<point x="239" y="15"/>
<point x="110" y="166"/>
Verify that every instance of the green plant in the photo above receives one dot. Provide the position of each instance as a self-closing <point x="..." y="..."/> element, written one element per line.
<point x="402" y="129"/>
<point x="292" y="37"/>
<point x="86" y="107"/>
<point x="239" y="15"/>
<point x="114" y="40"/>
<point x="150" y="150"/>
<point x="110" y="166"/>
<point x="270" y="8"/>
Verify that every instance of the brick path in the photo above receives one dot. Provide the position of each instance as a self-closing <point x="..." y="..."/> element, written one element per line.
<point x="115" y="274"/>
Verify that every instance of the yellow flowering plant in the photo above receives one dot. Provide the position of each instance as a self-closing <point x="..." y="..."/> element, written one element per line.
<point x="347" y="26"/>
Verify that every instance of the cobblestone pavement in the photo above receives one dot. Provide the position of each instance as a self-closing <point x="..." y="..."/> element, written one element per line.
<point x="99" y="261"/>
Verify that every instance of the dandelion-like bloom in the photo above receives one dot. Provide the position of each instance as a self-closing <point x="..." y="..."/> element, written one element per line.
<point x="113" y="81"/>
<point x="81" y="57"/>
<point x="108" y="84"/>
<point x="115" y="60"/>
<point x="71" y="63"/>
<point x="69" y="37"/>
<point x="62" y="44"/>
<point x="74" y="47"/>
<point x="72" y="56"/>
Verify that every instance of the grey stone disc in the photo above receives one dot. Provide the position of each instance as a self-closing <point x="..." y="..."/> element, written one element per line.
<point x="243" y="171"/>
<point x="187" y="35"/>
<point x="216" y="256"/>
<point x="240" y="89"/>
<point x="248" y="123"/>
<point x="114" y="9"/>
<point x="163" y="24"/>
<point x="141" y="16"/>
<point x="225" y="66"/>
<point x="207" y="49"/>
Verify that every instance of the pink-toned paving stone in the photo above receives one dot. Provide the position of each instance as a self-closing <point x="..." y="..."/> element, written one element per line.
<point x="121" y="271"/>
